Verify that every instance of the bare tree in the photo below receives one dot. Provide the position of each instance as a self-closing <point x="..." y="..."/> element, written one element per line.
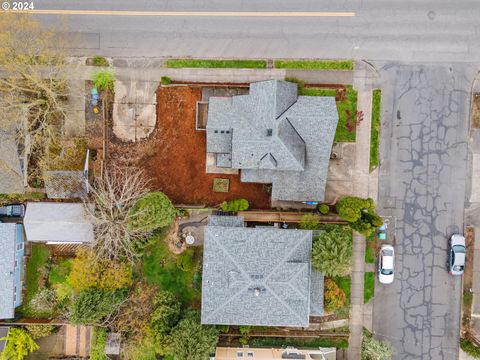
<point x="113" y="196"/>
<point x="33" y="83"/>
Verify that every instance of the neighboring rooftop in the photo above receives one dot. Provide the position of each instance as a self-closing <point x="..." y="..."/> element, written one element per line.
<point x="227" y="353"/>
<point x="256" y="276"/>
<point x="69" y="184"/>
<point x="57" y="223"/>
<point x="7" y="274"/>
<point x="275" y="136"/>
<point x="11" y="172"/>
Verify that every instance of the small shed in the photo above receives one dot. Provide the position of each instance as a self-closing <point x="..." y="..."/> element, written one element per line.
<point x="57" y="223"/>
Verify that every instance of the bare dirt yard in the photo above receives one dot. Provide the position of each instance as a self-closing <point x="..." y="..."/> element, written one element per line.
<point x="175" y="155"/>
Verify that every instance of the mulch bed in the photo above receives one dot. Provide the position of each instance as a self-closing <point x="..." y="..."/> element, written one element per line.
<point x="175" y="155"/>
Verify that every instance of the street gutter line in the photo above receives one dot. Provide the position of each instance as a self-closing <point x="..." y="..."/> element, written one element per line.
<point x="190" y="13"/>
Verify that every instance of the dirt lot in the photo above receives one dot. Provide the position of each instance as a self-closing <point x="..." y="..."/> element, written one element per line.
<point x="174" y="156"/>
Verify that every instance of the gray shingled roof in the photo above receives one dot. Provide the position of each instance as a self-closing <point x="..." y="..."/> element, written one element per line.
<point x="65" y="184"/>
<point x="11" y="175"/>
<point x="57" y="222"/>
<point x="275" y="137"/>
<point x="256" y="276"/>
<point x="7" y="264"/>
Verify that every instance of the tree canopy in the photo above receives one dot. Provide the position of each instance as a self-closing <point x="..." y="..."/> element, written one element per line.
<point x="19" y="344"/>
<point x="166" y="313"/>
<point x="154" y="210"/>
<point x="332" y="251"/>
<point x="360" y="213"/>
<point x="192" y="340"/>
<point x="92" y="305"/>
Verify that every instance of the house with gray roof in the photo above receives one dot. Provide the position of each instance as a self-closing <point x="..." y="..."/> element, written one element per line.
<point x="11" y="268"/>
<point x="57" y="223"/>
<point x="258" y="276"/>
<point x="276" y="137"/>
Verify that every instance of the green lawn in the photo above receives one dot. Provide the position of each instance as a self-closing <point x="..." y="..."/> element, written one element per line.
<point x="470" y="348"/>
<point x="59" y="272"/>
<point x="369" y="287"/>
<point x="206" y="63"/>
<point x="344" y="283"/>
<point x="375" y="130"/>
<point x="345" y="106"/>
<point x="37" y="260"/>
<point x="370" y="249"/>
<point x="160" y="268"/>
<point x="314" y="64"/>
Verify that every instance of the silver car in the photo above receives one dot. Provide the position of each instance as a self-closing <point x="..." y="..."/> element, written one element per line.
<point x="456" y="254"/>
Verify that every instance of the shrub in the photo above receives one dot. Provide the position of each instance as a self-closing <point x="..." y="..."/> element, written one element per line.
<point x="360" y="213"/>
<point x="92" y="305"/>
<point x="20" y="343"/>
<point x="324" y="209"/>
<point x="192" y="340"/>
<point x="88" y="271"/>
<point x="332" y="251"/>
<point x="44" y="302"/>
<point x="165" y="80"/>
<point x="185" y="260"/>
<point x="154" y="210"/>
<point x="166" y="312"/>
<point x="309" y="222"/>
<point x="97" y="346"/>
<point x="104" y="79"/>
<point x="100" y="61"/>
<point x="334" y="297"/>
<point x="375" y="350"/>
<point x="39" y="331"/>
<point x="235" y="205"/>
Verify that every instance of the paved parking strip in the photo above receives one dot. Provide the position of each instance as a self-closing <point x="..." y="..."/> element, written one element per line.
<point x="422" y="184"/>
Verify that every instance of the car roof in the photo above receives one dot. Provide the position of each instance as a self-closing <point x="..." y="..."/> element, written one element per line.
<point x="459" y="259"/>
<point x="387" y="262"/>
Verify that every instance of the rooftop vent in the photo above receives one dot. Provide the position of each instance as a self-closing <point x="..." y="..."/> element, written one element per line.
<point x="269" y="132"/>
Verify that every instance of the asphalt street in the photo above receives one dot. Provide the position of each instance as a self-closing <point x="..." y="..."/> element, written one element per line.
<point x="410" y="30"/>
<point x="422" y="184"/>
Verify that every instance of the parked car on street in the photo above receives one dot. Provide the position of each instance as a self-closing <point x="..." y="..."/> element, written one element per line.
<point x="14" y="210"/>
<point x="386" y="264"/>
<point x="456" y="254"/>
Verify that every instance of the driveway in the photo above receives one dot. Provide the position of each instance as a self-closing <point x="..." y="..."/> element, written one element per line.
<point x="422" y="184"/>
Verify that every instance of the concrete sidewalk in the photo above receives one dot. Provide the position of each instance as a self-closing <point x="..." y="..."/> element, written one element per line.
<point x="365" y="186"/>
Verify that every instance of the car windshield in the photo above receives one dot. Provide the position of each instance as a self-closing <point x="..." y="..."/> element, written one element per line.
<point x="387" y="272"/>
<point x="387" y="252"/>
<point x="459" y="249"/>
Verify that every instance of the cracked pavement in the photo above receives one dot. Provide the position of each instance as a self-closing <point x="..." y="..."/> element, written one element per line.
<point x="422" y="183"/>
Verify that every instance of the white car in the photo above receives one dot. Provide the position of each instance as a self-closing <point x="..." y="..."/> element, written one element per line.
<point x="456" y="255"/>
<point x="386" y="264"/>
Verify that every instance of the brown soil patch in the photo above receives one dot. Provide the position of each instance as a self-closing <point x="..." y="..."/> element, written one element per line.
<point x="476" y="111"/>
<point x="174" y="157"/>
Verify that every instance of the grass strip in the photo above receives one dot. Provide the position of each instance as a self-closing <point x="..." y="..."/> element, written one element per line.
<point x="300" y="343"/>
<point x="206" y="63"/>
<point x="369" y="286"/>
<point x="314" y="64"/>
<point x="375" y="129"/>
<point x="37" y="260"/>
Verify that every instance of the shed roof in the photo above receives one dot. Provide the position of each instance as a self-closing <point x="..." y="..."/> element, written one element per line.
<point x="65" y="184"/>
<point x="7" y="265"/>
<point x="11" y="173"/>
<point x="57" y="222"/>
<point x="256" y="276"/>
